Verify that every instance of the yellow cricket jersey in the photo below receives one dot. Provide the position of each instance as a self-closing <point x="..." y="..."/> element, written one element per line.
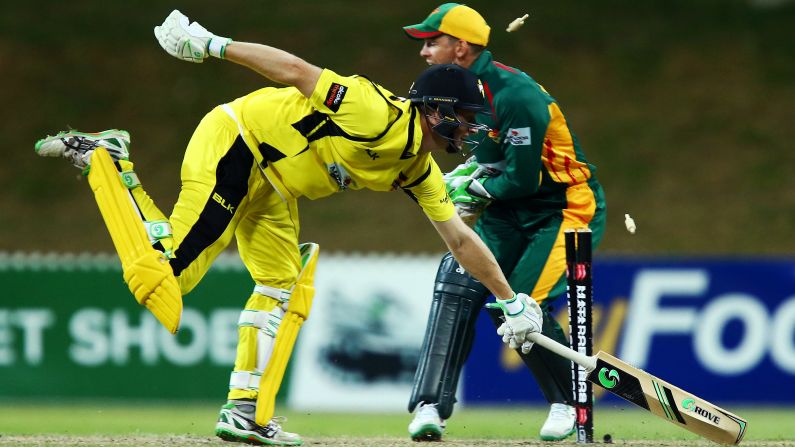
<point x="350" y="134"/>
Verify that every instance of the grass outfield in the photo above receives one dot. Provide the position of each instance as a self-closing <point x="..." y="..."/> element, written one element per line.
<point x="119" y="425"/>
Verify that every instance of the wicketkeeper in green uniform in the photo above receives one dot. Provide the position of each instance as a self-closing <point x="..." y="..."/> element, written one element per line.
<point x="528" y="182"/>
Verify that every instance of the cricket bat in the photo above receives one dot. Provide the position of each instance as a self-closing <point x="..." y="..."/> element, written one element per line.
<point x="652" y="394"/>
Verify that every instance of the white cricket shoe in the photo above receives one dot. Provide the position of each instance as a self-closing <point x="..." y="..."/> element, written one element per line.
<point x="427" y="425"/>
<point x="237" y="425"/>
<point x="77" y="147"/>
<point x="560" y="423"/>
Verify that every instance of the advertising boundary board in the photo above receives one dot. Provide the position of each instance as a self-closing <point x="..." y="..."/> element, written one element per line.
<point x="69" y="328"/>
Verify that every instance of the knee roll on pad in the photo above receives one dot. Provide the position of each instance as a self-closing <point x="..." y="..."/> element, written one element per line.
<point x="457" y="299"/>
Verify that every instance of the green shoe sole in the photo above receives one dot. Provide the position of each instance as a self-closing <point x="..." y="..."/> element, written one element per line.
<point x="230" y="436"/>
<point x="429" y="433"/>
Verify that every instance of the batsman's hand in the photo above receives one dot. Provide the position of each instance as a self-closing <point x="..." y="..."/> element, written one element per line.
<point x="189" y="41"/>
<point x="509" y="339"/>
<point x="523" y="316"/>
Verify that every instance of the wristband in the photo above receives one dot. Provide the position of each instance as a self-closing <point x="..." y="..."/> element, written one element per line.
<point x="511" y="307"/>
<point x="217" y="46"/>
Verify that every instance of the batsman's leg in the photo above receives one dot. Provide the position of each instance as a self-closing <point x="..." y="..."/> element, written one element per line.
<point x="146" y="270"/>
<point x="457" y="299"/>
<point x="259" y="323"/>
<point x="297" y="312"/>
<point x="140" y="232"/>
<point x="268" y="329"/>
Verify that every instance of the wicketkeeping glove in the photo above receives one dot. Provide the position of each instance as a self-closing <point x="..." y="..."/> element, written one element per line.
<point x="523" y="316"/>
<point x="469" y="199"/>
<point x="189" y="41"/>
<point x="470" y="191"/>
<point x="465" y="169"/>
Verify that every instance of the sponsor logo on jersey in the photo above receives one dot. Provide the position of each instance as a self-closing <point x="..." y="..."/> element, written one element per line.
<point x="518" y="137"/>
<point x="335" y="95"/>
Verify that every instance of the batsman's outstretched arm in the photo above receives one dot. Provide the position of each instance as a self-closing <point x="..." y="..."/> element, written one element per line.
<point x="193" y="43"/>
<point x="522" y="314"/>
<point x="275" y="64"/>
<point x="473" y="255"/>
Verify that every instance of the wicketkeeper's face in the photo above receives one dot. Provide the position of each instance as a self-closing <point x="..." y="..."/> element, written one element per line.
<point x="439" y="50"/>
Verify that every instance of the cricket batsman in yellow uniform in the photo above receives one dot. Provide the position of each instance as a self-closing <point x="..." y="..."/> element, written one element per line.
<point x="244" y="168"/>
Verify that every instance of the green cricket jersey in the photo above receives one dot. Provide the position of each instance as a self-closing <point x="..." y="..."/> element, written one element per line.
<point x="531" y="139"/>
<point x="545" y="186"/>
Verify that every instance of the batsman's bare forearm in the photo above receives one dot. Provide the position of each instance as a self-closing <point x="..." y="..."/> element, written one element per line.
<point x="473" y="255"/>
<point x="275" y="64"/>
<point x="476" y="259"/>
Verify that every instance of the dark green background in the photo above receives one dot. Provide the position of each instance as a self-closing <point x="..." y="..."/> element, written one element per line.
<point x="686" y="107"/>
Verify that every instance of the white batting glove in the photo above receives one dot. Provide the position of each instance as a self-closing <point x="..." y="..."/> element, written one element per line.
<point x="523" y="316"/>
<point x="509" y="339"/>
<point x="189" y="41"/>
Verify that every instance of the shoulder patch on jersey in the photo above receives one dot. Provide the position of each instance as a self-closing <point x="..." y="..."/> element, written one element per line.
<point x="335" y="95"/>
<point x="519" y="136"/>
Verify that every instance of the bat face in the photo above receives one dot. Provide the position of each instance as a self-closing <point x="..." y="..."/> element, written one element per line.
<point x="667" y="401"/>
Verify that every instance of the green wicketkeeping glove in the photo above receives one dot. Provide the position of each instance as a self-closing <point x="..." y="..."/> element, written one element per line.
<point x="460" y="173"/>
<point x="471" y="192"/>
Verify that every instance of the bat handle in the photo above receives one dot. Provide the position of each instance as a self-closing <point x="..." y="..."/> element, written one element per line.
<point x="587" y="362"/>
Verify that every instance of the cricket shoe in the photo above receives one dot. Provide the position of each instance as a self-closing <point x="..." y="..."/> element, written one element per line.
<point x="560" y="423"/>
<point x="236" y="425"/>
<point x="427" y="425"/>
<point x="78" y="147"/>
